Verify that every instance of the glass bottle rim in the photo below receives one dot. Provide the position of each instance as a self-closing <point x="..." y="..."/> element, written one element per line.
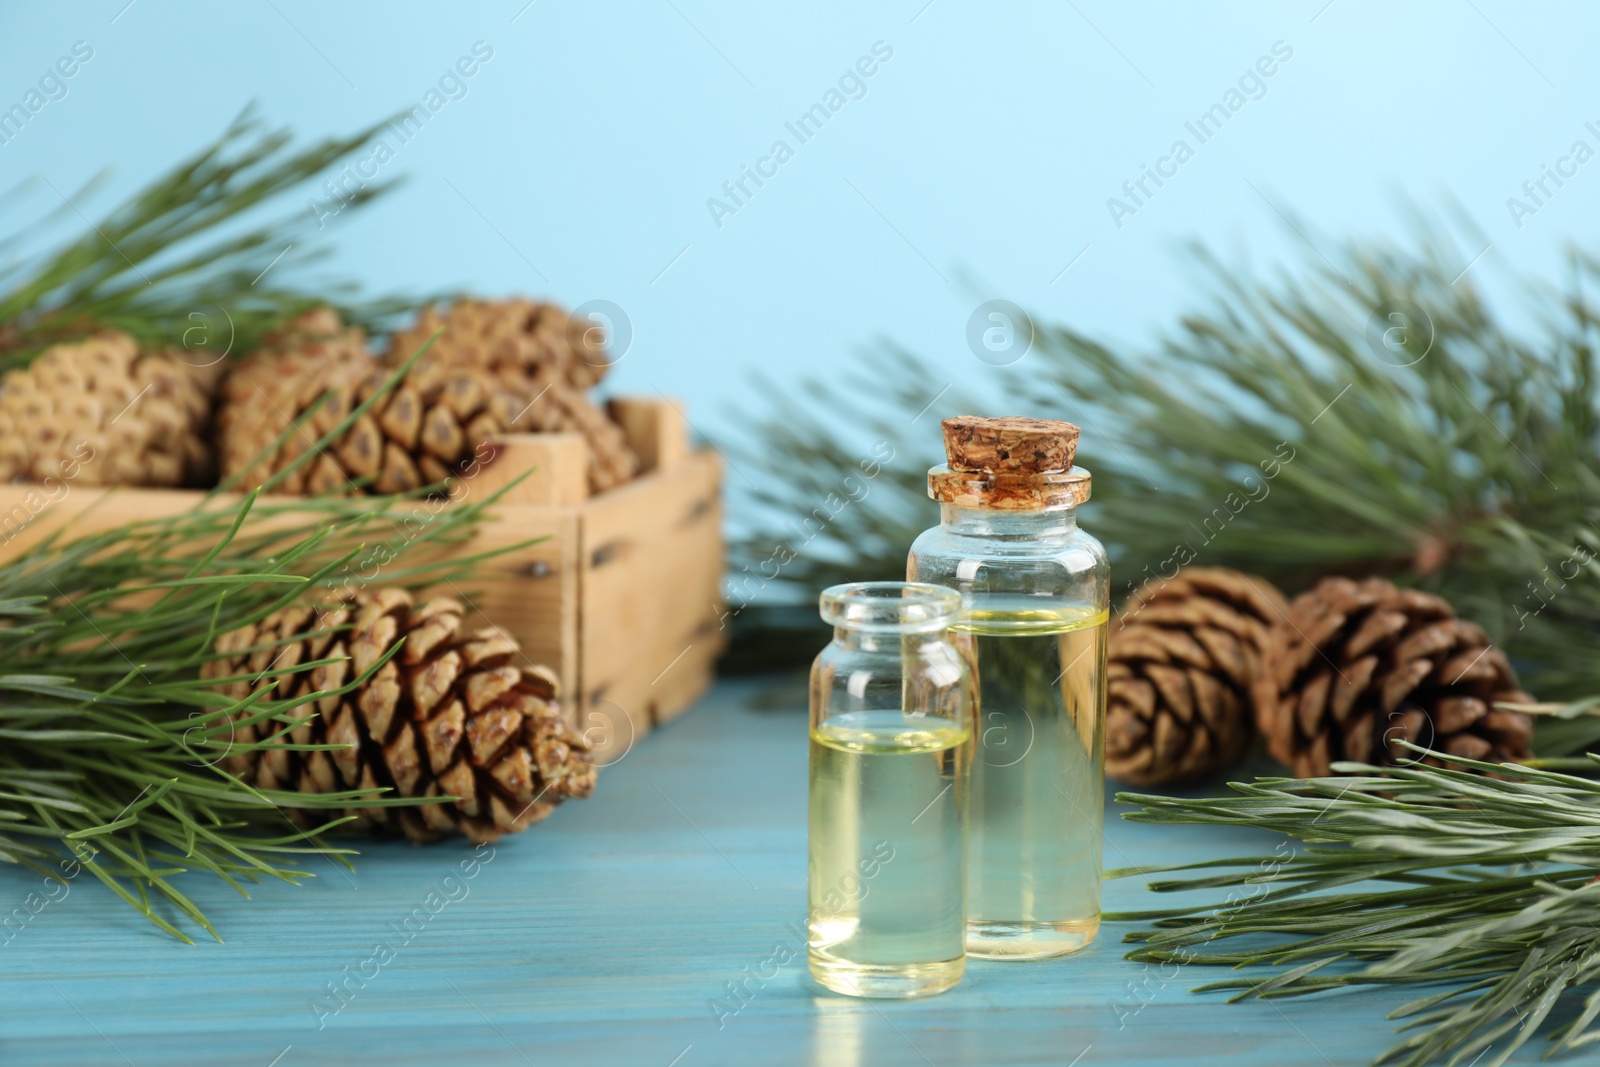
<point x="890" y="607"/>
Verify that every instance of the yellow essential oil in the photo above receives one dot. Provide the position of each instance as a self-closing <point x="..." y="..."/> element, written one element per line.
<point x="887" y="855"/>
<point x="1037" y="804"/>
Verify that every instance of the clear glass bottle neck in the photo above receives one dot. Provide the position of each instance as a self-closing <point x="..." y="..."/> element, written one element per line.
<point x="890" y="641"/>
<point x="983" y="522"/>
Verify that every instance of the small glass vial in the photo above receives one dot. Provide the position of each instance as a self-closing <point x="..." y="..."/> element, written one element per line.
<point x="891" y="741"/>
<point x="1035" y="592"/>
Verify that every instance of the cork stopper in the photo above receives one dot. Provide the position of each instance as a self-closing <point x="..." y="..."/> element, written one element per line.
<point x="1009" y="464"/>
<point x="1012" y="444"/>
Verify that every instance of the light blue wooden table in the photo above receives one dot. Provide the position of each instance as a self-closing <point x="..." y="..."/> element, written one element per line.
<point x="604" y="936"/>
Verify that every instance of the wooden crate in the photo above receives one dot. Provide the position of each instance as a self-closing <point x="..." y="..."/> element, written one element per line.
<point x="622" y="597"/>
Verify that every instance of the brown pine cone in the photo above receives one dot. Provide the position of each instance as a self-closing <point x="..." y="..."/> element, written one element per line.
<point x="1361" y="666"/>
<point x="535" y="353"/>
<point x="507" y="336"/>
<point x="1181" y="661"/>
<point x="422" y="431"/>
<point x="101" y="412"/>
<point x="610" y="461"/>
<point x="453" y="713"/>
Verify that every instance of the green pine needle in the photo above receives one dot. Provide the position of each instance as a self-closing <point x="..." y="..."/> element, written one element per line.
<point x="1494" y="894"/>
<point x="193" y="260"/>
<point x="113" y="743"/>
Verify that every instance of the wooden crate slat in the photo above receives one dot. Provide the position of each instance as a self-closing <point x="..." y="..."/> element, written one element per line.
<point x="558" y="461"/>
<point x="655" y="430"/>
<point x="651" y="565"/>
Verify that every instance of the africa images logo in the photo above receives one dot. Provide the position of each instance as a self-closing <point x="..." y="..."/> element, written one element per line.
<point x="1252" y="85"/>
<point x="52" y="86"/>
<point x="852" y="85"/>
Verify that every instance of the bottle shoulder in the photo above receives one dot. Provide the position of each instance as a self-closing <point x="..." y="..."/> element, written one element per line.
<point x="924" y="676"/>
<point x="1072" y="565"/>
<point x="1078" y="546"/>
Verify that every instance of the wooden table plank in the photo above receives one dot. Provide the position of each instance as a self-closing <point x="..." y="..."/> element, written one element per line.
<point x="602" y="937"/>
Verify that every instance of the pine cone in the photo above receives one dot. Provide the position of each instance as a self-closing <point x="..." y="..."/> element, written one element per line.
<point x="100" y="412"/>
<point x="534" y="352"/>
<point x="1360" y="666"/>
<point x="1181" y="661"/>
<point x="422" y="431"/>
<point x="453" y="713"/>
<point x="515" y="336"/>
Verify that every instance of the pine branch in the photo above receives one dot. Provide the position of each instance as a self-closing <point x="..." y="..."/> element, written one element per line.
<point x="181" y="263"/>
<point x="1272" y="431"/>
<point x="1498" y="896"/>
<point x="112" y="740"/>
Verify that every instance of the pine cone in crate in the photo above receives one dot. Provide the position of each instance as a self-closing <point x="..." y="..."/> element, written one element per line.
<point x="423" y="430"/>
<point x="1361" y="666"/>
<point x="517" y="337"/>
<point x="1182" y="658"/>
<point x="453" y="713"/>
<point x="536" y="353"/>
<point x="102" y="413"/>
<point x="270" y="383"/>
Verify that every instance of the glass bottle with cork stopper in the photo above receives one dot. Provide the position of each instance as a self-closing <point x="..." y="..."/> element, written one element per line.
<point x="1035" y="594"/>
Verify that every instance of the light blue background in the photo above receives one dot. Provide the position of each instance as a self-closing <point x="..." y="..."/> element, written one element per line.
<point x="978" y="164"/>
